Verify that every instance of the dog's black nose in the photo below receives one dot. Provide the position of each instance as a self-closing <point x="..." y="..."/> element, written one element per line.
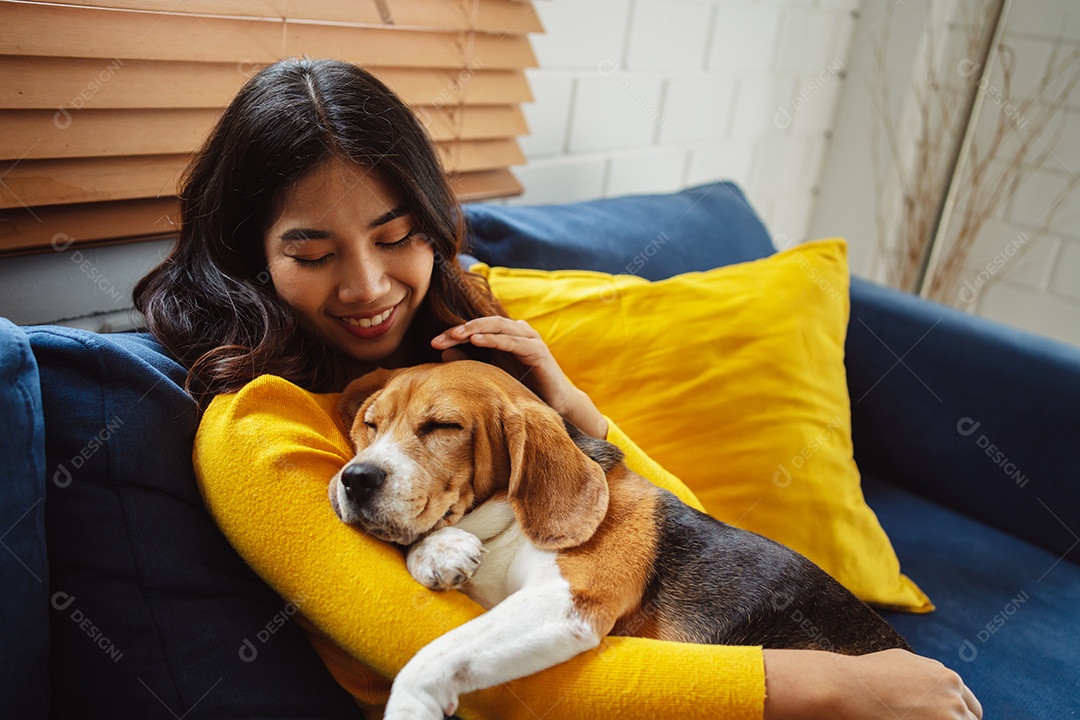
<point x="361" y="480"/>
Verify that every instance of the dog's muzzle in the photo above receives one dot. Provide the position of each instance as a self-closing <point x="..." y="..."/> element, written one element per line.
<point x="358" y="502"/>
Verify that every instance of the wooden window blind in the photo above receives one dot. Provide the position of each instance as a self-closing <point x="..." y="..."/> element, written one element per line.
<point x="102" y="104"/>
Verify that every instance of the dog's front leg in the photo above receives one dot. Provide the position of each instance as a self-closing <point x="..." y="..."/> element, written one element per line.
<point x="533" y="629"/>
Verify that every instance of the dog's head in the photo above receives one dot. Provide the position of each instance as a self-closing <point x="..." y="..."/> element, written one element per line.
<point x="435" y="440"/>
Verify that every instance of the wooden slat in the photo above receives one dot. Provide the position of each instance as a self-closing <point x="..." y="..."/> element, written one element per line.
<point x="349" y="11"/>
<point x="78" y="83"/>
<point x="47" y="229"/>
<point x="42" y="134"/>
<point x="54" y="182"/>
<point x="485" y="185"/>
<point x="30" y="183"/>
<point x="63" y="31"/>
<point x="479" y="155"/>
<point x="86" y="224"/>
<point x="375" y="47"/>
<point x="473" y="122"/>
<point x="450" y="87"/>
<point x="492" y="16"/>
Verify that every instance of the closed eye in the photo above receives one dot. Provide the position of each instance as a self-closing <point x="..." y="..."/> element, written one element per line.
<point x="431" y="426"/>
<point x="312" y="262"/>
<point x="398" y="244"/>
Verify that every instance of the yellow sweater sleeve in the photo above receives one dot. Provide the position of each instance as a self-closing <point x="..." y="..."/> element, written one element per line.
<point x="263" y="459"/>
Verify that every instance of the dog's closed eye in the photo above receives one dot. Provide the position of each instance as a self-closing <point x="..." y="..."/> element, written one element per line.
<point x="430" y="426"/>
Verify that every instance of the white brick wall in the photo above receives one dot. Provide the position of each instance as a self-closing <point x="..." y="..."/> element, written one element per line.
<point x="1040" y="288"/>
<point x="640" y="96"/>
<point x="1037" y="288"/>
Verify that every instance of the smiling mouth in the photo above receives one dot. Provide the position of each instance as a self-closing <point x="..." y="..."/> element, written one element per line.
<point x="371" y="321"/>
<point x="371" y="326"/>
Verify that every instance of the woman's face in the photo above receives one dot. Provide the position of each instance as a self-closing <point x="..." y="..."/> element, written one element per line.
<point x="344" y="254"/>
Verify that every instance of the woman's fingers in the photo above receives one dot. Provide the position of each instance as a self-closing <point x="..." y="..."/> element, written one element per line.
<point x="516" y="338"/>
<point x="492" y="325"/>
<point x="529" y="351"/>
<point x="972" y="702"/>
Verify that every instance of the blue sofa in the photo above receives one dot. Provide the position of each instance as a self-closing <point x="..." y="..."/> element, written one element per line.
<point x="121" y="599"/>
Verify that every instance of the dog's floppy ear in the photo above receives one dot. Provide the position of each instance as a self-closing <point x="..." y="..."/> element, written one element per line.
<point x="358" y="391"/>
<point x="559" y="495"/>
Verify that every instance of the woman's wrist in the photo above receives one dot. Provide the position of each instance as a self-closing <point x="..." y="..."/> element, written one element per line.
<point x="581" y="412"/>
<point x="800" y="684"/>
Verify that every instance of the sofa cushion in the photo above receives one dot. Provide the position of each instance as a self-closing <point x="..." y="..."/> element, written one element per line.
<point x="24" y="569"/>
<point x="651" y="236"/>
<point x="1006" y="609"/>
<point x="153" y="614"/>
<point x="733" y="380"/>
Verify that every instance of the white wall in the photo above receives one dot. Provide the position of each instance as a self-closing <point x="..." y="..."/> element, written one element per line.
<point x="90" y="288"/>
<point x="631" y="96"/>
<point x="1037" y="289"/>
<point x="847" y="199"/>
<point x="638" y="96"/>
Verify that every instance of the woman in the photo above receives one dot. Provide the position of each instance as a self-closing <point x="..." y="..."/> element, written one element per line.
<point x="318" y="241"/>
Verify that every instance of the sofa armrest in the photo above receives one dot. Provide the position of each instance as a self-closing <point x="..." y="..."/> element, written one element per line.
<point x="965" y="411"/>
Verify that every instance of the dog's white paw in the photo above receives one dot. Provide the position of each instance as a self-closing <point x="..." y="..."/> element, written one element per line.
<point x="407" y="703"/>
<point x="445" y="559"/>
<point x="415" y="707"/>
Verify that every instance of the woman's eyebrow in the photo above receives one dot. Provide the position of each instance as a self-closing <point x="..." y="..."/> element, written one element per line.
<point x="388" y="216"/>
<point x="298" y="234"/>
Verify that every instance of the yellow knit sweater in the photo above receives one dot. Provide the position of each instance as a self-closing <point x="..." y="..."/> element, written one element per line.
<point x="264" y="457"/>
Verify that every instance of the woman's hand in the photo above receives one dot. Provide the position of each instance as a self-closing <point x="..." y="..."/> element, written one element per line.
<point x="520" y="351"/>
<point x="881" y="686"/>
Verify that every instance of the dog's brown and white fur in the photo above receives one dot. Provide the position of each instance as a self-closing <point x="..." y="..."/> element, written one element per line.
<point x="561" y="542"/>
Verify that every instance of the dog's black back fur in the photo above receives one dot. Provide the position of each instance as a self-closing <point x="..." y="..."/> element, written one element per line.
<point x="734" y="587"/>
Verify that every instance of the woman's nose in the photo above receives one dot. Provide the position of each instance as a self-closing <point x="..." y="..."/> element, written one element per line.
<point x="363" y="280"/>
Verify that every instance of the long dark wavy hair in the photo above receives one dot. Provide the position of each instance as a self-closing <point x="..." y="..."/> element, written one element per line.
<point x="212" y="303"/>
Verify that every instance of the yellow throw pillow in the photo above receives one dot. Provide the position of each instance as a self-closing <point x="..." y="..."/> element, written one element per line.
<point x="732" y="379"/>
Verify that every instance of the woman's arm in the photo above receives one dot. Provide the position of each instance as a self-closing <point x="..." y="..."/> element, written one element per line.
<point x="264" y="458"/>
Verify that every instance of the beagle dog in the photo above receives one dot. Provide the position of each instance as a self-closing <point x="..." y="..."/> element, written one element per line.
<point x="558" y="539"/>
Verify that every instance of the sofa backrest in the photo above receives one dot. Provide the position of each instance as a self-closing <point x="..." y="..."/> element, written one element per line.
<point x="24" y="566"/>
<point x="651" y="236"/>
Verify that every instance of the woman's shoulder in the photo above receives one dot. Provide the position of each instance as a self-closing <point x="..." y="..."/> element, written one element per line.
<point x="273" y="399"/>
